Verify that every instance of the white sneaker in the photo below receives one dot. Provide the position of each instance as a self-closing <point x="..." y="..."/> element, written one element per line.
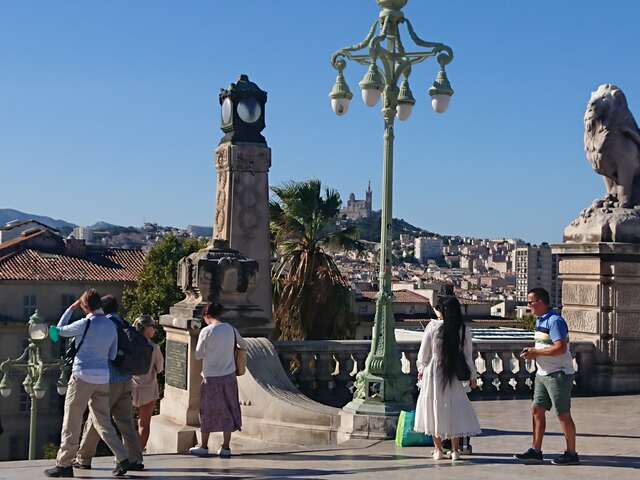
<point x="199" y="451"/>
<point x="438" y="455"/>
<point x="455" y="455"/>
<point x="224" y="452"/>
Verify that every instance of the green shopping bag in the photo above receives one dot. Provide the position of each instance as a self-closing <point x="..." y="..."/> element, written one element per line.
<point x="406" y="437"/>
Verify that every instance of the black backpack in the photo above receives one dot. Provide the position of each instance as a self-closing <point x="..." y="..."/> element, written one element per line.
<point x="134" y="350"/>
<point x="70" y="349"/>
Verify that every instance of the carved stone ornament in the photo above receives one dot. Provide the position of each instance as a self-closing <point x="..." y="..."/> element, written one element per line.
<point x="215" y="274"/>
<point x="612" y="147"/>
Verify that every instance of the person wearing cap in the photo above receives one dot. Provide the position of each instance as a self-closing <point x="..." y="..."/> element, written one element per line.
<point x="145" y="387"/>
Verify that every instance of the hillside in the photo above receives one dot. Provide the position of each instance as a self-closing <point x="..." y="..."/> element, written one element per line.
<point x="369" y="228"/>
<point x="8" y="215"/>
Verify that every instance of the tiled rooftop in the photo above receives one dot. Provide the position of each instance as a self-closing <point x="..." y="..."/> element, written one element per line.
<point x="109" y="265"/>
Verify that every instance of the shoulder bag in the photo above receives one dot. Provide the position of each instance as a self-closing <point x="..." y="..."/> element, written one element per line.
<point x="239" y="355"/>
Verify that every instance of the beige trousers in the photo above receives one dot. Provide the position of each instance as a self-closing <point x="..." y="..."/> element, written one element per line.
<point x="122" y="414"/>
<point x="80" y="395"/>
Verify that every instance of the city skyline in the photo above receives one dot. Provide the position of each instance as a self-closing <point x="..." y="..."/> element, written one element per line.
<point x="126" y="95"/>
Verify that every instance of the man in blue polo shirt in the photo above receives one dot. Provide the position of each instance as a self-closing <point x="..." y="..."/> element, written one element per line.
<point x="554" y="379"/>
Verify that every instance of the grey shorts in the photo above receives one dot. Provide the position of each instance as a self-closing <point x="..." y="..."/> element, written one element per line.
<point x="553" y="390"/>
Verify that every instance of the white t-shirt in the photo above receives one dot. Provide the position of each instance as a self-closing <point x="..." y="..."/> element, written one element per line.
<point x="216" y="349"/>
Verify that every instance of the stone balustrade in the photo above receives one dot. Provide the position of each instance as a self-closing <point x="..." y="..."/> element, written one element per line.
<point x="325" y="370"/>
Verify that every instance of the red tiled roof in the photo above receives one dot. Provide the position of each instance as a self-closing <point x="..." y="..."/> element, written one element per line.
<point x="399" y="296"/>
<point x="109" y="265"/>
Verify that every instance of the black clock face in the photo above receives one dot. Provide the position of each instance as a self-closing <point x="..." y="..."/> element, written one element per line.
<point x="249" y="110"/>
<point x="227" y="111"/>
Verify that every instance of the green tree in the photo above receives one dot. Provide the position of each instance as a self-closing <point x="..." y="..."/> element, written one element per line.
<point x="529" y="321"/>
<point x="311" y="298"/>
<point x="156" y="289"/>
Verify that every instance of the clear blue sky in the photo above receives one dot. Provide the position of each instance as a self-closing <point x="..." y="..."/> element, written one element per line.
<point x="123" y="95"/>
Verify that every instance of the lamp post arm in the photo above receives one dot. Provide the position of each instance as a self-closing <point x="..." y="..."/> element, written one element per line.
<point x="436" y="47"/>
<point x="347" y="51"/>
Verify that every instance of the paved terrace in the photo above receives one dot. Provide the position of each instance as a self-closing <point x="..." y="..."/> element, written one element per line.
<point x="608" y="442"/>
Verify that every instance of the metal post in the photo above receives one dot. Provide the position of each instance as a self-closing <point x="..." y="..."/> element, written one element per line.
<point x="32" y="426"/>
<point x="381" y="388"/>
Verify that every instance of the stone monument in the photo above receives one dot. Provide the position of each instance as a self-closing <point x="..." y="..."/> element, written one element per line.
<point x="243" y="160"/>
<point x="600" y="256"/>
<point x="220" y="273"/>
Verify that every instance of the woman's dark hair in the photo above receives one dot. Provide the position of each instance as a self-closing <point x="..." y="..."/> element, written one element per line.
<point x="109" y="304"/>
<point x="212" y="310"/>
<point x="453" y="331"/>
<point x="142" y="322"/>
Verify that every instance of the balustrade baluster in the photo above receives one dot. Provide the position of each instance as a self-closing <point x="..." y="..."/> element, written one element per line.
<point x="306" y="377"/>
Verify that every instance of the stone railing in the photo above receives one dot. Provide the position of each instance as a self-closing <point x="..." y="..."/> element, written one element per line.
<point x="325" y="370"/>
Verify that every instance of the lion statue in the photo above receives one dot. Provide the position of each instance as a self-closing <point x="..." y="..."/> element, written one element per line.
<point x="612" y="145"/>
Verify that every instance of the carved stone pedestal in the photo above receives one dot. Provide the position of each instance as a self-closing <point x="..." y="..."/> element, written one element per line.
<point x="174" y="430"/>
<point x="601" y="304"/>
<point x="215" y="274"/>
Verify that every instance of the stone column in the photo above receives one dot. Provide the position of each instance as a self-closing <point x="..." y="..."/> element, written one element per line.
<point x="601" y="304"/>
<point x="242" y="210"/>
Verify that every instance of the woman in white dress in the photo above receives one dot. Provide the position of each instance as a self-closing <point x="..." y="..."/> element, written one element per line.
<point x="443" y="409"/>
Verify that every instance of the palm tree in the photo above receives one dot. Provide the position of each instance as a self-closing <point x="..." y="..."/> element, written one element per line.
<point x="311" y="299"/>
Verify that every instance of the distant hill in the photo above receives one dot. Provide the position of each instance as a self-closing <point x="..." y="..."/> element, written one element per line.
<point x="8" y="215"/>
<point x="369" y="228"/>
<point x="103" y="226"/>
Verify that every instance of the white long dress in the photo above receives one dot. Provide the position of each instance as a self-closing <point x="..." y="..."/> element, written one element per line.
<point x="444" y="411"/>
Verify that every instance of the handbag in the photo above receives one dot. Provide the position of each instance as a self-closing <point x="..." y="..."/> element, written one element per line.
<point x="462" y="369"/>
<point x="406" y="436"/>
<point x="240" y="356"/>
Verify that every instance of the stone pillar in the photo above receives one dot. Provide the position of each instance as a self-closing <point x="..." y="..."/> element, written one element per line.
<point x="242" y="210"/>
<point x="601" y="304"/>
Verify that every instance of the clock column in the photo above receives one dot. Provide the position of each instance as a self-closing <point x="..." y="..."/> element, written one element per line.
<point x="242" y="161"/>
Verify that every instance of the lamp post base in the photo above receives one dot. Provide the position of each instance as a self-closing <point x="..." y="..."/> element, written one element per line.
<point x="368" y="419"/>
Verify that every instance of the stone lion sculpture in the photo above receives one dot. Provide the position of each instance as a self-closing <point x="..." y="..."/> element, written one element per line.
<point x="612" y="145"/>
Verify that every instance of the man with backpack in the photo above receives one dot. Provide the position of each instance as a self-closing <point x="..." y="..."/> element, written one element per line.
<point x="96" y="343"/>
<point x="120" y="401"/>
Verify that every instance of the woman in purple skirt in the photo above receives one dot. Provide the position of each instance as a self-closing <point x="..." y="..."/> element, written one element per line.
<point x="219" y="403"/>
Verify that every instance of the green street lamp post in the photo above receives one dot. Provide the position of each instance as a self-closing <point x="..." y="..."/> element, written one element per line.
<point x="382" y="388"/>
<point x="31" y="364"/>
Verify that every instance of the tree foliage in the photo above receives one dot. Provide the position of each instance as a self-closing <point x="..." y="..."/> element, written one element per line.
<point x="311" y="298"/>
<point x="156" y="289"/>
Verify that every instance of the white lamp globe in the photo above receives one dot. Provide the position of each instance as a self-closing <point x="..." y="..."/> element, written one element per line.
<point x="39" y="393"/>
<point x="340" y="106"/>
<point x="440" y="102"/>
<point x="62" y="389"/>
<point x="371" y="96"/>
<point x="5" y="391"/>
<point x="403" y="111"/>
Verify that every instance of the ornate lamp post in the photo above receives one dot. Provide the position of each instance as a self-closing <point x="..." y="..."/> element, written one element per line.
<point x="382" y="388"/>
<point x="30" y="364"/>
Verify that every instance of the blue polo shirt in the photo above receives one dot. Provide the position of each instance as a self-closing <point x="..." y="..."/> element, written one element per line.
<point x="551" y="328"/>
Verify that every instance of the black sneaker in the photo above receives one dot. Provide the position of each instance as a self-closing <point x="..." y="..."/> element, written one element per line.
<point x="567" y="459"/>
<point x="81" y="466"/>
<point x="59" y="472"/>
<point x="530" y="457"/>
<point x="136" y="467"/>
<point x="121" y="468"/>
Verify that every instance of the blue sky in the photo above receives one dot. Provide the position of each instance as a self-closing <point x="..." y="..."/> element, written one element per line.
<point x="123" y="95"/>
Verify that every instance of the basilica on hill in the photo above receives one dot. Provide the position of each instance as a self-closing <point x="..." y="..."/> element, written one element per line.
<point x="356" y="209"/>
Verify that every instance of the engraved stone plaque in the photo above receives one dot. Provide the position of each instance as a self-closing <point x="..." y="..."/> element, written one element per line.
<point x="176" y="364"/>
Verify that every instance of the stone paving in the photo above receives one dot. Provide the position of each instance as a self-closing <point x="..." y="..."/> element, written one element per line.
<point x="608" y="442"/>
